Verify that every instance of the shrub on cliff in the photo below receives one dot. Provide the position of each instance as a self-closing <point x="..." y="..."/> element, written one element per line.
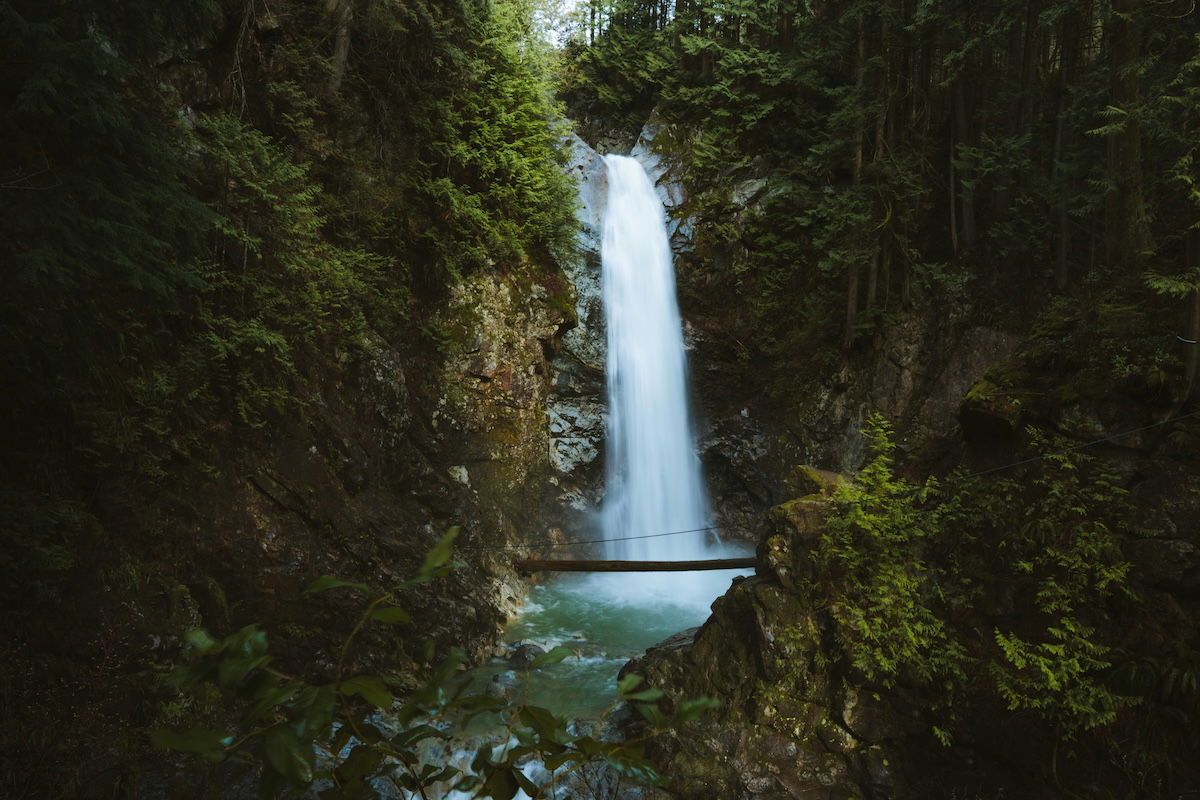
<point x="910" y="573"/>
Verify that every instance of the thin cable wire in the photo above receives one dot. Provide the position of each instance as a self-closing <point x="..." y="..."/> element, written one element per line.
<point x="963" y="479"/>
<point x="598" y="541"/>
<point x="1085" y="445"/>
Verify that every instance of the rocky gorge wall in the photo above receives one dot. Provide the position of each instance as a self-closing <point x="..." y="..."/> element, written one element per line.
<point x="750" y="440"/>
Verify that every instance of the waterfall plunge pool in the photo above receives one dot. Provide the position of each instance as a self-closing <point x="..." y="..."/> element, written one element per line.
<point x="607" y="619"/>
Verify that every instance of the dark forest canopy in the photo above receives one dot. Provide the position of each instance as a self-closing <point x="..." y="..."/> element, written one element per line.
<point x="198" y="197"/>
<point x="915" y="148"/>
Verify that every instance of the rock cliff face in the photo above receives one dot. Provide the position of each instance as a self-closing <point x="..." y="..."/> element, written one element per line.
<point x="576" y="407"/>
<point x="493" y="432"/>
<point x="787" y="727"/>
<point x="395" y="455"/>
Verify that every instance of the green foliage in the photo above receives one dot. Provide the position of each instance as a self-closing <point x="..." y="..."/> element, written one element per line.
<point x="1063" y="551"/>
<point x="612" y="85"/>
<point x="293" y="288"/>
<point x="887" y="595"/>
<point x="204" y="233"/>
<point x="1114" y="346"/>
<point x="178" y="277"/>
<point x="470" y="172"/>
<point x="905" y="566"/>
<point x="341" y="737"/>
<point x="102" y="235"/>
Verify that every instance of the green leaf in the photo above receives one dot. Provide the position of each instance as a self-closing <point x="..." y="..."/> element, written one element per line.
<point x="635" y="768"/>
<point x="233" y="670"/>
<point x="553" y="656"/>
<point x="650" y="712"/>
<point x="193" y="740"/>
<point x="390" y="614"/>
<point x="267" y="701"/>
<point x="439" y="555"/>
<point x="691" y="709"/>
<point x="444" y="774"/>
<point x="371" y="688"/>
<point x="288" y="755"/>
<point x="249" y="641"/>
<point x="442" y="673"/>
<point x="409" y="737"/>
<point x="590" y="747"/>
<point x="199" y="639"/>
<point x="645" y="694"/>
<point x="362" y="762"/>
<point x="186" y="676"/>
<point x="529" y="787"/>
<point x="272" y="783"/>
<point x="340" y="739"/>
<point x="501" y="785"/>
<point x="325" y="582"/>
<point x="628" y="683"/>
<point x="542" y="721"/>
<point x="566" y="757"/>
<point x="467" y="783"/>
<point x="366" y="731"/>
<point x="313" y="709"/>
<point x="408" y="712"/>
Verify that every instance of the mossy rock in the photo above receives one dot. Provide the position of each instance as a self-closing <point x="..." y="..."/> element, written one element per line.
<point x="804" y="481"/>
<point x="804" y="516"/>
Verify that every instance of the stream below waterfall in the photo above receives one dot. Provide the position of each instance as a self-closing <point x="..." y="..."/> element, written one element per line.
<point x="605" y="627"/>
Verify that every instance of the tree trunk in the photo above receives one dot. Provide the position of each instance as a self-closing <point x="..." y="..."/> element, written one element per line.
<point x="953" y="202"/>
<point x="873" y="279"/>
<point x="962" y="126"/>
<point x="1066" y="74"/>
<point x="859" y="137"/>
<point x="342" y="12"/>
<point x="1192" y="361"/>
<point x="1126" y="232"/>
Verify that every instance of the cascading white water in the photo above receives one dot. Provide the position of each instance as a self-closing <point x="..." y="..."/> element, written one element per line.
<point x="654" y="483"/>
<point x="654" y="480"/>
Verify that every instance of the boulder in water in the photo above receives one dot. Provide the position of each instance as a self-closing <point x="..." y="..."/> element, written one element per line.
<point x="522" y="654"/>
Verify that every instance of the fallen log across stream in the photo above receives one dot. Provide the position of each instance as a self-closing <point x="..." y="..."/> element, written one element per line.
<point x="527" y="565"/>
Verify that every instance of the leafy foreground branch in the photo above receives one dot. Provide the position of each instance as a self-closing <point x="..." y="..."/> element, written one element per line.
<point x="349" y="738"/>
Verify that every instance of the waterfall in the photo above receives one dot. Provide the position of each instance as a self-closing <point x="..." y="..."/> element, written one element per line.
<point x="654" y="484"/>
